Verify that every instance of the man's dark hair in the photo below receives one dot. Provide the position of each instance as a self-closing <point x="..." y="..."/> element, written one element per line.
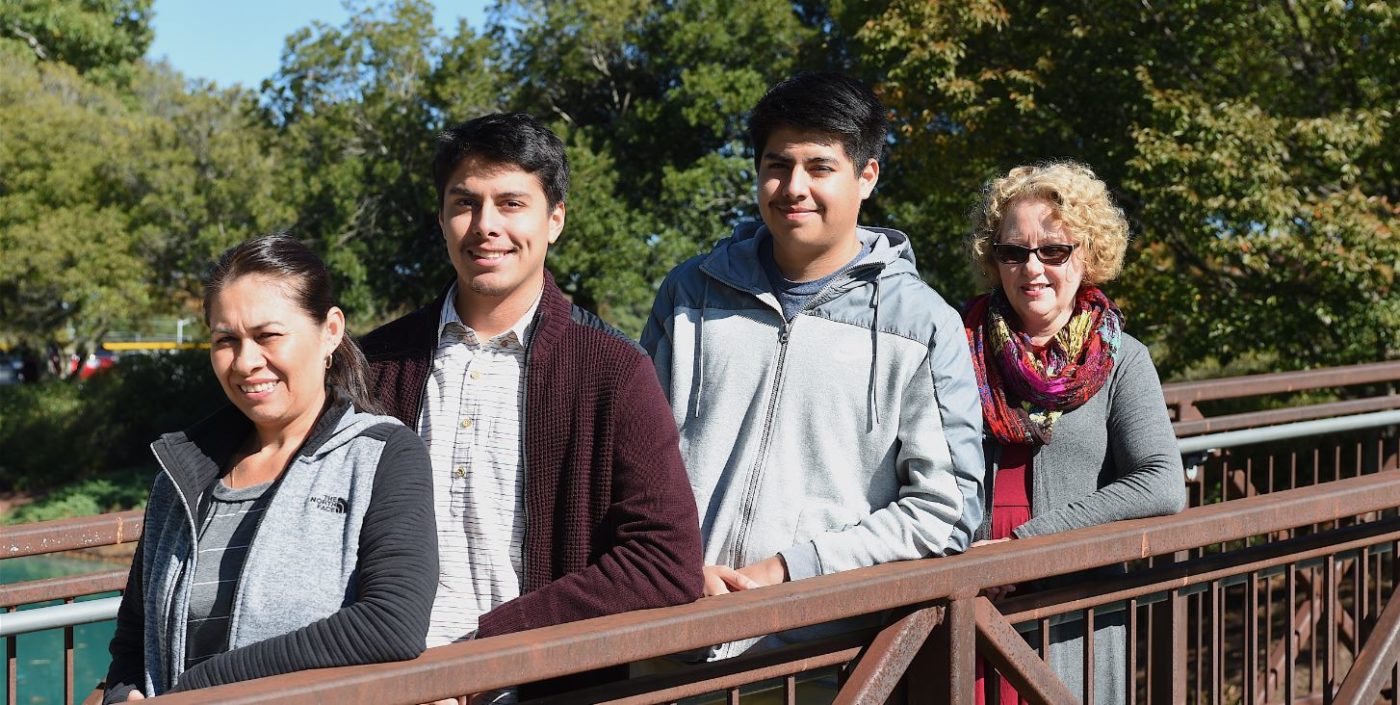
<point x="825" y="103"/>
<point x="512" y="139"/>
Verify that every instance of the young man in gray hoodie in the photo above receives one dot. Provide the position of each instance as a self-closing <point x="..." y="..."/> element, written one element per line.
<point x="824" y="394"/>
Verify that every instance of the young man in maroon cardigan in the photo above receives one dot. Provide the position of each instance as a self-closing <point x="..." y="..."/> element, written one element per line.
<point x="559" y="485"/>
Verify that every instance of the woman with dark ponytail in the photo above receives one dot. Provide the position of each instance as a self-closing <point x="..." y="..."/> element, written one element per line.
<point x="293" y="529"/>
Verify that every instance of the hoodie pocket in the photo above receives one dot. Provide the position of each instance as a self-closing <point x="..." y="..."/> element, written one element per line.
<point x="823" y="517"/>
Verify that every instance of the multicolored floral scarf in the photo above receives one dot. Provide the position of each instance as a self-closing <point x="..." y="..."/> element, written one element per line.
<point x="1024" y="390"/>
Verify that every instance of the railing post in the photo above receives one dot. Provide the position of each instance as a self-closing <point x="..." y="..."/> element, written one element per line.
<point x="1167" y="655"/>
<point x="945" y="670"/>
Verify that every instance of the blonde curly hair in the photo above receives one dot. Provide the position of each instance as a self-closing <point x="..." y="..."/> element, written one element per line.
<point x="1081" y="202"/>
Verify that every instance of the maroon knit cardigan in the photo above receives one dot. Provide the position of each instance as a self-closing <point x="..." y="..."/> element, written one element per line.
<point x="610" y="521"/>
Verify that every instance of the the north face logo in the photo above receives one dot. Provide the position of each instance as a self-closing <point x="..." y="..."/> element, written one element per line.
<point x="328" y="503"/>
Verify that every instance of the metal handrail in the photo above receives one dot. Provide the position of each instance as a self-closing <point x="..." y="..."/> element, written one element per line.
<point x="554" y="651"/>
<point x="1273" y="417"/>
<point x="1280" y="382"/>
<point x="62" y="588"/>
<point x="70" y="534"/>
<point x="1318" y="427"/>
<point x="59" y="616"/>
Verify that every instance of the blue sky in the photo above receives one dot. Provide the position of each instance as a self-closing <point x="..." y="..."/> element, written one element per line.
<point x="240" y="41"/>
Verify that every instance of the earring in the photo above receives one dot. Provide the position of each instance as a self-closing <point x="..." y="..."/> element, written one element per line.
<point x="329" y="358"/>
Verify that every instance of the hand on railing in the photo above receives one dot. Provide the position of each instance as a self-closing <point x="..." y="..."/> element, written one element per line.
<point x="1000" y="592"/>
<point x="720" y="579"/>
<point x="475" y="699"/>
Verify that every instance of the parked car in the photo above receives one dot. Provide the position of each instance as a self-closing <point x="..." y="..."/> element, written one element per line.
<point x="11" y="369"/>
<point x="97" y="362"/>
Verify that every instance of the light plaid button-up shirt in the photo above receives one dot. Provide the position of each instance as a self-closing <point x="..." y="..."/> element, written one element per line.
<point x="471" y="423"/>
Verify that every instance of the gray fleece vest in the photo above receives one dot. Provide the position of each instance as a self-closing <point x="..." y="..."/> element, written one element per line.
<point x="302" y="563"/>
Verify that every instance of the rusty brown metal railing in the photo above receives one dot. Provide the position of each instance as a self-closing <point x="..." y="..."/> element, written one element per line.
<point x="55" y="537"/>
<point x="950" y="583"/>
<point x="69" y="534"/>
<point x="1225" y="612"/>
<point x="1182" y="397"/>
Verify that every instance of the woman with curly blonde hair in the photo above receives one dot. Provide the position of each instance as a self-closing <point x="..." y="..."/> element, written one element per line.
<point x="1075" y="428"/>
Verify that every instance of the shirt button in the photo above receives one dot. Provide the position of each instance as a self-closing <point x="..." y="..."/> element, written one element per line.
<point x="476" y="374"/>
<point x="466" y="423"/>
<point x="460" y="471"/>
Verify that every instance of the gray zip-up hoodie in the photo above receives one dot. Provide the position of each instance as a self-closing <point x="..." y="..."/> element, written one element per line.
<point x="342" y="568"/>
<point x="848" y="437"/>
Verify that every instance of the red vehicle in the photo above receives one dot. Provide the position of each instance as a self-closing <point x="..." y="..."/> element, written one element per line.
<point x="97" y="362"/>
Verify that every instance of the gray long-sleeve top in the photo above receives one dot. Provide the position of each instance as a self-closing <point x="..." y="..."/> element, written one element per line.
<point x="1113" y="458"/>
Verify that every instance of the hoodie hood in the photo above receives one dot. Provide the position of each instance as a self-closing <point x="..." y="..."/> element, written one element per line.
<point x="734" y="260"/>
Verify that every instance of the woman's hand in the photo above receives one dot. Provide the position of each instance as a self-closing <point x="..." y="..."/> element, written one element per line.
<point x="988" y="542"/>
<point x="134" y="695"/>
<point x="1000" y="592"/>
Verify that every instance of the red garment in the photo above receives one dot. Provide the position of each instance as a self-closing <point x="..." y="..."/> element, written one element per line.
<point x="607" y="501"/>
<point x="1011" y="498"/>
<point x="1011" y="507"/>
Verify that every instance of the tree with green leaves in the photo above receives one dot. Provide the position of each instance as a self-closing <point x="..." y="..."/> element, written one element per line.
<point x="114" y="199"/>
<point x="355" y="109"/>
<point x="100" y="36"/>
<point x="1253" y="147"/>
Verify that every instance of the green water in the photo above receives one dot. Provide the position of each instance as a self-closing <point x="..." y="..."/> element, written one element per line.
<point x="40" y="654"/>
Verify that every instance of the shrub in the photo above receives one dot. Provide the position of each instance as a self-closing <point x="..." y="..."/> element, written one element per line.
<point x="123" y="489"/>
<point x="55" y="433"/>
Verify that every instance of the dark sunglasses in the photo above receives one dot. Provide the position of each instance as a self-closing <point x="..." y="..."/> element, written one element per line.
<point x="1047" y="254"/>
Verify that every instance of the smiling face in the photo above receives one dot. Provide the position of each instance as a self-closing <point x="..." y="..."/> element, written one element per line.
<point x="269" y="355"/>
<point x="498" y="226"/>
<point x="809" y="196"/>
<point x="1041" y="295"/>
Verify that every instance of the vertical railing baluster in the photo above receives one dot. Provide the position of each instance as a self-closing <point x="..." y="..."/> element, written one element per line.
<point x="1199" y="625"/>
<point x="1089" y="656"/>
<point x="1269" y="652"/>
<point x="1251" y="640"/>
<point x="1045" y="639"/>
<point x="1132" y="651"/>
<point x="1167" y="645"/>
<point x="1358" y="601"/>
<point x="1217" y="645"/>
<point x="1313" y="623"/>
<point x="11" y="665"/>
<point x="69" y="691"/>
<point x="1292" y="470"/>
<point x="1378" y="580"/>
<point x="1290" y="636"/>
<point x="1330" y="613"/>
<point x="962" y="650"/>
<point x="1394" y="580"/>
<point x="1249" y="474"/>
